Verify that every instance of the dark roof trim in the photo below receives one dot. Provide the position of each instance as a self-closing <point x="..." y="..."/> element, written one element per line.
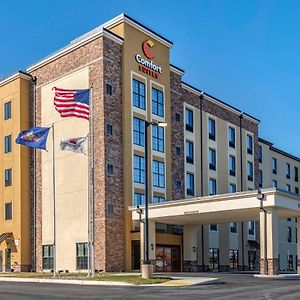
<point x="179" y="69"/>
<point x="284" y="153"/>
<point x="145" y="27"/>
<point x="265" y="142"/>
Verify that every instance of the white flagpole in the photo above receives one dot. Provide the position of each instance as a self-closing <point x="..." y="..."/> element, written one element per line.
<point x="89" y="209"/>
<point x="54" y="204"/>
<point x="93" y="183"/>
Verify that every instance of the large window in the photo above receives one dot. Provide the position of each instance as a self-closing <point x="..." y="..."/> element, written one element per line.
<point x="288" y="187"/>
<point x="249" y="144"/>
<point x="157" y="102"/>
<point x="233" y="227"/>
<point x="296" y="174"/>
<point x="8" y="177"/>
<point x="139" y="199"/>
<point x="274" y="183"/>
<point x="274" y="165"/>
<point x="213" y="227"/>
<point x="250" y="171"/>
<point x="211" y="129"/>
<point x="139" y="169"/>
<point x="190" y="190"/>
<point x="189" y="120"/>
<point x="260" y="178"/>
<point x="231" y="137"/>
<point x="232" y="165"/>
<point x="48" y="257"/>
<point x="289" y="234"/>
<point x="138" y="89"/>
<point x="251" y="228"/>
<point x="158" y="138"/>
<point x="260" y="153"/>
<point x="138" y="132"/>
<point x="7" y="144"/>
<point x="157" y="199"/>
<point x="212" y="159"/>
<point x="189" y="152"/>
<point x="158" y="174"/>
<point x="212" y="186"/>
<point x="82" y="256"/>
<point x="7" y="110"/>
<point x="232" y="188"/>
<point x="8" y="211"/>
<point x="288" y="170"/>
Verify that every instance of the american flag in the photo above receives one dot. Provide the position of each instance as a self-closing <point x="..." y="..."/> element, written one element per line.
<point x="72" y="103"/>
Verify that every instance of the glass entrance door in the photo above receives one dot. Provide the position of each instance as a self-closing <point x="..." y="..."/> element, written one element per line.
<point x="7" y="260"/>
<point x="136" y="255"/>
<point x="168" y="258"/>
<point x="252" y="260"/>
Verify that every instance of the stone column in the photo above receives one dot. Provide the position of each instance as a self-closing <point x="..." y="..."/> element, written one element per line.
<point x="224" y="247"/>
<point x="190" y="248"/>
<point x="152" y="241"/>
<point x="272" y="242"/>
<point x="203" y="259"/>
<point x="298" y="245"/>
<point x="263" y="257"/>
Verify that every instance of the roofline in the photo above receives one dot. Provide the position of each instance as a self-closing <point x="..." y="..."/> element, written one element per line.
<point x="76" y="44"/>
<point x="177" y="70"/>
<point x="291" y="156"/>
<point x="219" y="102"/>
<point x="265" y="142"/>
<point x="14" y="76"/>
<point x="129" y="20"/>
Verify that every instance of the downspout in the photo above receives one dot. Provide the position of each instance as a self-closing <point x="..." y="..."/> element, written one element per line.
<point x="242" y="187"/>
<point x="202" y="181"/>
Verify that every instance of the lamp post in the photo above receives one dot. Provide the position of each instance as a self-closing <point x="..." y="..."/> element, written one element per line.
<point x="147" y="267"/>
<point x="261" y="197"/>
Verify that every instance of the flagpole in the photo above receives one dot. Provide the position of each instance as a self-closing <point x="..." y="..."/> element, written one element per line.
<point x="54" y="204"/>
<point x="93" y="184"/>
<point x="89" y="209"/>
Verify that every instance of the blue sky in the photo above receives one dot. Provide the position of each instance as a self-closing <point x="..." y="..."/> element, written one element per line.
<point x="246" y="53"/>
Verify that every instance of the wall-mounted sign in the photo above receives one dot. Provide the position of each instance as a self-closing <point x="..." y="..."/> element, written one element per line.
<point x="148" y="66"/>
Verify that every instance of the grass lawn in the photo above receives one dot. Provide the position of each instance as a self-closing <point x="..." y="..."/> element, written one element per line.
<point x="133" y="279"/>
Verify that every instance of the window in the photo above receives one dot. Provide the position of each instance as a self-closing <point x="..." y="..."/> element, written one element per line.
<point x="48" y="257"/>
<point x="296" y="190"/>
<point x="212" y="187"/>
<point x="212" y="159"/>
<point x="190" y="184"/>
<point x="177" y="117"/>
<point x="178" y="151"/>
<point x="157" y="102"/>
<point x="288" y="187"/>
<point x="178" y="185"/>
<point x="274" y="165"/>
<point x="139" y="199"/>
<point x="108" y="89"/>
<point x="110" y="169"/>
<point x="232" y="165"/>
<point x="232" y="188"/>
<point x="296" y="174"/>
<point x="249" y="144"/>
<point x="138" y="132"/>
<point x="157" y="199"/>
<point x="158" y="174"/>
<point x="158" y="138"/>
<point x="139" y="169"/>
<point x="289" y="234"/>
<point x="233" y="227"/>
<point x="231" y="137"/>
<point x="260" y="178"/>
<point x="211" y="129"/>
<point x="274" y="183"/>
<point x="8" y="211"/>
<point x="250" y="171"/>
<point x="251" y="227"/>
<point x="138" y="94"/>
<point x="214" y="227"/>
<point x="82" y="256"/>
<point x="189" y="120"/>
<point x="288" y="170"/>
<point x="110" y="208"/>
<point x="8" y="177"/>
<point x="7" y="110"/>
<point x="109" y="129"/>
<point x="189" y="152"/>
<point x="260" y="153"/>
<point x="7" y="144"/>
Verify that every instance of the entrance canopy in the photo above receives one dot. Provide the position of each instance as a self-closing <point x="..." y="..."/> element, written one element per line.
<point x="224" y="208"/>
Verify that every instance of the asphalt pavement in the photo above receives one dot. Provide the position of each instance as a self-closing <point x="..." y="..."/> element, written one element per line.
<point x="233" y="286"/>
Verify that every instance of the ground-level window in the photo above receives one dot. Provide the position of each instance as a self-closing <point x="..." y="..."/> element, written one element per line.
<point x="213" y="259"/>
<point x="252" y="260"/>
<point x="48" y="257"/>
<point x="81" y="256"/>
<point x="234" y="259"/>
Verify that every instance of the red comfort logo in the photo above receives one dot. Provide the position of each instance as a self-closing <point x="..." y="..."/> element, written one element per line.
<point x="146" y="48"/>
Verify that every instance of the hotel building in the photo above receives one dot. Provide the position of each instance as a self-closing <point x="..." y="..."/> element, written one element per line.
<point x="209" y="152"/>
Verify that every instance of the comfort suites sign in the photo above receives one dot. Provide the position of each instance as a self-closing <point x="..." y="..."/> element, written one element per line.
<point x="147" y="65"/>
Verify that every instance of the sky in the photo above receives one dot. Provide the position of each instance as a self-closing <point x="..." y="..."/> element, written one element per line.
<point x="243" y="52"/>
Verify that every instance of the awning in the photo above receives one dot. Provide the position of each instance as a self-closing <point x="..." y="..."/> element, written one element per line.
<point x="5" y="236"/>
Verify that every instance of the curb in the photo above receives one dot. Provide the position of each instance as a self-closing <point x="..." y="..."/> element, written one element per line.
<point x="280" y="276"/>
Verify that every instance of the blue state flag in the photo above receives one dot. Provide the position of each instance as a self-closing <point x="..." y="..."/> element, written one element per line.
<point x="35" y="137"/>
